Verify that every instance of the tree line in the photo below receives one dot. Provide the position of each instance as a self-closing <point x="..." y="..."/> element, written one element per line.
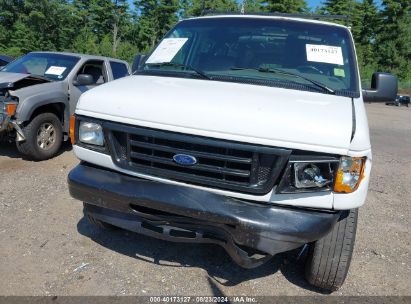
<point x="121" y="28"/>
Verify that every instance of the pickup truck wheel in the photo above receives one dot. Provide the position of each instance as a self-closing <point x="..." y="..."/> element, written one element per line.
<point x="44" y="135"/>
<point x="329" y="258"/>
<point x="97" y="223"/>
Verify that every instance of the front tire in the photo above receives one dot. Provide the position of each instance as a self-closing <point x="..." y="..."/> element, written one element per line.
<point x="44" y="135"/>
<point x="329" y="258"/>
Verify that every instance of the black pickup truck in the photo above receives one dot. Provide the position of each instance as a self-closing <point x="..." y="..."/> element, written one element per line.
<point x="400" y="100"/>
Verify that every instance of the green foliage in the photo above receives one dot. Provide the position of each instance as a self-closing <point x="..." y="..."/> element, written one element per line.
<point x="337" y="7"/>
<point x="85" y="43"/>
<point x="155" y="18"/>
<point x="394" y="38"/>
<point x="382" y="34"/>
<point x="253" y="6"/>
<point x="382" y="38"/>
<point x="287" y="6"/>
<point x="196" y="7"/>
<point x="365" y="24"/>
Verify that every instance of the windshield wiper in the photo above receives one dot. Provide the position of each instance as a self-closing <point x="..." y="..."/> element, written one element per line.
<point x="181" y="65"/>
<point x="281" y="72"/>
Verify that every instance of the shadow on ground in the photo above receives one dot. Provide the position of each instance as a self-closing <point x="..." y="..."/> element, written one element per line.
<point x="212" y="258"/>
<point x="9" y="149"/>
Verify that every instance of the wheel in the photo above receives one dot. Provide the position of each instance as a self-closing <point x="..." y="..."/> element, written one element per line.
<point x="96" y="222"/>
<point x="329" y="258"/>
<point x="44" y="135"/>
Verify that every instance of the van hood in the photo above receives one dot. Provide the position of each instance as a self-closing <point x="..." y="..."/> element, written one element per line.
<point x="241" y="112"/>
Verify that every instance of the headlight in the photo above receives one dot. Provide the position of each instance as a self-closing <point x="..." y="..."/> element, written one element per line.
<point x="308" y="176"/>
<point x="333" y="174"/>
<point x="91" y="133"/>
<point x="349" y="174"/>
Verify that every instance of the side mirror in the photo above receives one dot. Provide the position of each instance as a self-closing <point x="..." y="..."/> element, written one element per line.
<point x="84" y="80"/>
<point x="138" y="62"/>
<point x="384" y="87"/>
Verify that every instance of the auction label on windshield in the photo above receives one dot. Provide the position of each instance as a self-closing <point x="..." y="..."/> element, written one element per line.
<point x="324" y="53"/>
<point x="55" y="70"/>
<point x="167" y="50"/>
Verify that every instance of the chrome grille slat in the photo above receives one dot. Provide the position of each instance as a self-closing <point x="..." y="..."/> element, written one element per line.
<point x="220" y="164"/>
<point x="213" y="169"/>
<point x="191" y="152"/>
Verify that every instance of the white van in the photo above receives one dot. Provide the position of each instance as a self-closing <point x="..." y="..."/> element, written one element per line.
<point x="248" y="132"/>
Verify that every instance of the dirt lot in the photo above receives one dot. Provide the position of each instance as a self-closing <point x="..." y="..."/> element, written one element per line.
<point x="47" y="247"/>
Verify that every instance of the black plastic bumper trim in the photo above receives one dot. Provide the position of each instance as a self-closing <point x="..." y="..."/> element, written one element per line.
<point x="162" y="210"/>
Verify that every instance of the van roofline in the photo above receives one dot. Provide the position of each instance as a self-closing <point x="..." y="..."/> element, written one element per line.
<point x="276" y="17"/>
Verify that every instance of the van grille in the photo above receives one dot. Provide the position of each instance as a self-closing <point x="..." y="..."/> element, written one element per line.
<point x="220" y="164"/>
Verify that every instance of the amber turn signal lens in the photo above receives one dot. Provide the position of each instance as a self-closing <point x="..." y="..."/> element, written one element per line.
<point x="72" y="127"/>
<point x="349" y="174"/>
<point x="11" y="109"/>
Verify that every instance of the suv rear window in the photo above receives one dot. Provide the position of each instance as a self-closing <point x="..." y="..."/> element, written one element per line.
<point x="119" y="69"/>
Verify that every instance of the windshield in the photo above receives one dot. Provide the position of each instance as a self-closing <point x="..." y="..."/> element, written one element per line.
<point x="263" y="51"/>
<point x="51" y="66"/>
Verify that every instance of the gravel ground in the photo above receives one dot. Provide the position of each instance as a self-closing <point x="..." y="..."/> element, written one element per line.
<point x="48" y="248"/>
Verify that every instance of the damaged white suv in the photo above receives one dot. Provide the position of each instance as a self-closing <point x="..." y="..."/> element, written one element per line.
<point x="245" y="131"/>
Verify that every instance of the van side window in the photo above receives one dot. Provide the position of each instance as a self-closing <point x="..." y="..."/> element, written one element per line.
<point x="119" y="69"/>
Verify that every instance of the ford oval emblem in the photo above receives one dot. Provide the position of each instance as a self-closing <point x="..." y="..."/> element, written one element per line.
<point x="184" y="159"/>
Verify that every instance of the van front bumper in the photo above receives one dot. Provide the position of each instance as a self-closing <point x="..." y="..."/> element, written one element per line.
<point x="250" y="232"/>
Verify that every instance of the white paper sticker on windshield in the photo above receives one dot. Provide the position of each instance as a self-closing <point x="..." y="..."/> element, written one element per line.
<point x="324" y="53"/>
<point x="55" y="70"/>
<point x="166" y="50"/>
